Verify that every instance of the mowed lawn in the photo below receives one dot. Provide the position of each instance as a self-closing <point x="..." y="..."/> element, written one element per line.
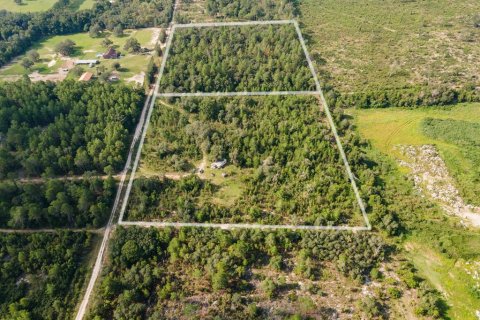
<point x="87" y="48"/>
<point x="387" y="128"/>
<point x="392" y="43"/>
<point x="27" y="5"/>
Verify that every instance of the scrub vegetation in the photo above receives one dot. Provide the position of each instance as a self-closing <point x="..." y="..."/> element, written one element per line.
<point x="297" y="175"/>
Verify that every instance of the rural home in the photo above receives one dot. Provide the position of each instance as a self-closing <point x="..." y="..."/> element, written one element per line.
<point x="111" y="54"/>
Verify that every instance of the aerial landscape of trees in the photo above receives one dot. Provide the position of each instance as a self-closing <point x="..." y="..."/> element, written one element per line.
<point x="56" y="203"/>
<point x="41" y="274"/>
<point x="169" y="273"/>
<point x="299" y="175"/>
<point x="69" y="128"/>
<point x="253" y="10"/>
<point x="239" y="58"/>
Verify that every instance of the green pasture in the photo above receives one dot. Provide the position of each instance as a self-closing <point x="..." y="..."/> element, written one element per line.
<point x="387" y="128"/>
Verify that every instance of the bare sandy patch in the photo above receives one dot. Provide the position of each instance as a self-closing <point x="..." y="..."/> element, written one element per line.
<point x="431" y="177"/>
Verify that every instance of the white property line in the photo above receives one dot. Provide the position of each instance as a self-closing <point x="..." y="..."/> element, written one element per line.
<point x="334" y="129"/>
<point x="318" y="92"/>
<point x="229" y="226"/>
<point x="236" y="94"/>
<point x="233" y="24"/>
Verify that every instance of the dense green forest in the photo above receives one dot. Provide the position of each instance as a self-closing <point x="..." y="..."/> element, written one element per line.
<point x="299" y="175"/>
<point x="246" y="58"/>
<point x="69" y="128"/>
<point x="56" y="203"/>
<point x="159" y="274"/>
<point x="42" y="274"/>
<point x="253" y="10"/>
<point x="19" y="31"/>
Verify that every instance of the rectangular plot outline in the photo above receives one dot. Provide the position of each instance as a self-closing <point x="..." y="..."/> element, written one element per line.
<point x="318" y="93"/>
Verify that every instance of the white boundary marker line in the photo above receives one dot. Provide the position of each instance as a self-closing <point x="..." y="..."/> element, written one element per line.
<point x="334" y="129"/>
<point x="233" y="24"/>
<point x="235" y="94"/>
<point x="228" y="226"/>
<point x="318" y="92"/>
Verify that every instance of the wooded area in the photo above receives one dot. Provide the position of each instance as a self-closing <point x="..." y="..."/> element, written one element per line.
<point x="238" y="58"/>
<point x="41" y="274"/>
<point x="253" y="10"/>
<point x="299" y="175"/>
<point x="69" y="128"/>
<point x="157" y="274"/>
<point x="56" y="203"/>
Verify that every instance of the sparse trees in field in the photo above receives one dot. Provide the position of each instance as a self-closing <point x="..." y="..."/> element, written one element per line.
<point x="95" y="31"/>
<point x="65" y="48"/>
<point x="27" y="63"/>
<point x="132" y="45"/>
<point x="33" y="55"/>
<point x="106" y="42"/>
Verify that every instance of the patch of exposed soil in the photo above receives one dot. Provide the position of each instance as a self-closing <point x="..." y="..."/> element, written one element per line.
<point x="431" y="177"/>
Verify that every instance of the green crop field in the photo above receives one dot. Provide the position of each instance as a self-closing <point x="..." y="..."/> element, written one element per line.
<point x="86" y="48"/>
<point x="386" y="128"/>
<point x="391" y="44"/>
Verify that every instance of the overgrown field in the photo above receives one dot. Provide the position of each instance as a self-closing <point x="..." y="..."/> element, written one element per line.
<point x="209" y="274"/>
<point x="236" y="58"/>
<point x="42" y="274"/>
<point x="378" y="45"/>
<point x="453" y="130"/>
<point x="284" y="166"/>
<point x="237" y="10"/>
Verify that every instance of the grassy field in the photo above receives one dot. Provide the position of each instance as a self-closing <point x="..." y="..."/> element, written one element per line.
<point x="448" y="276"/>
<point x="391" y="43"/>
<point x="27" y="5"/>
<point x="86" y="48"/>
<point x="386" y="128"/>
<point x="42" y="5"/>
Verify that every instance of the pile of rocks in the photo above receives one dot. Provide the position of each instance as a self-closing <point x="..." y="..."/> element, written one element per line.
<point x="431" y="177"/>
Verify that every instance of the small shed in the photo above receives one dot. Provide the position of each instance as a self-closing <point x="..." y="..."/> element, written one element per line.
<point x="218" y="164"/>
<point x="89" y="62"/>
<point x="86" y="76"/>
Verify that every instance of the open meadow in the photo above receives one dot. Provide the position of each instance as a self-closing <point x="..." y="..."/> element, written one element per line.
<point x="388" y="128"/>
<point x="42" y="5"/>
<point x="381" y="44"/>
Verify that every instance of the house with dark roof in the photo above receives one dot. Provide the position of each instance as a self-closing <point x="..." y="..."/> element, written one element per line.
<point x="111" y="54"/>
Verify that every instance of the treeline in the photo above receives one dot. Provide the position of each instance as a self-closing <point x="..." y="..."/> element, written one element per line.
<point x="244" y="58"/>
<point x="41" y="274"/>
<point x="253" y="10"/>
<point x="298" y="171"/>
<point x="19" y="31"/>
<point x="56" y="203"/>
<point x="69" y="128"/>
<point x="404" y="97"/>
<point x="153" y="273"/>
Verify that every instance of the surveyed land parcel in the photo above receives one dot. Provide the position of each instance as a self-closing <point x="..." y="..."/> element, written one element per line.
<point x="236" y="58"/>
<point x="281" y="160"/>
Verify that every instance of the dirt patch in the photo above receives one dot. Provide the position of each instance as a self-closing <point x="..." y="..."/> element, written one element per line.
<point x="138" y="78"/>
<point x="431" y="177"/>
<point x="35" y="76"/>
<point x="155" y="35"/>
